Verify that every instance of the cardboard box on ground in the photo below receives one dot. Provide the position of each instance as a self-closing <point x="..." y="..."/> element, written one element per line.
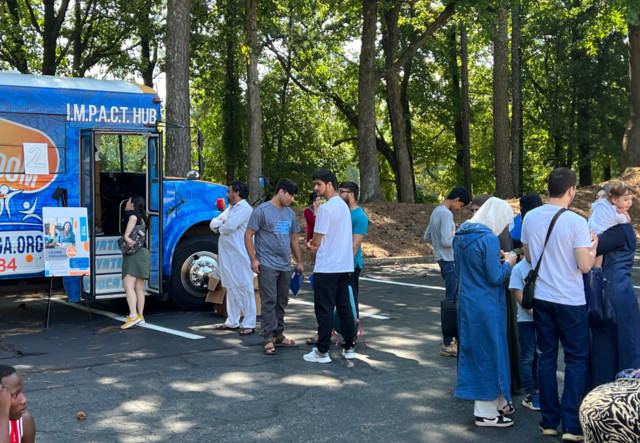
<point x="217" y="295"/>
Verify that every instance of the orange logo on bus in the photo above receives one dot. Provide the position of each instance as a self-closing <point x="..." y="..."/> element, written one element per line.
<point x="12" y="157"/>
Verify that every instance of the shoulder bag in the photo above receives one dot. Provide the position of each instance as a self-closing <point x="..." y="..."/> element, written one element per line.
<point x="449" y="315"/>
<point x="528" y="293"/>
<point x="138" y="235"/>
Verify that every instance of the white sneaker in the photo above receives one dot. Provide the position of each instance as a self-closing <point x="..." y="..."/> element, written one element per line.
<point x="349" y="354"/>
<point x="99" y="231"/>
<point x="317" y="357"/>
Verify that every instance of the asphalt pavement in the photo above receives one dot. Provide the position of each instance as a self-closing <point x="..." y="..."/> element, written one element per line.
<point x="184" y="381"/>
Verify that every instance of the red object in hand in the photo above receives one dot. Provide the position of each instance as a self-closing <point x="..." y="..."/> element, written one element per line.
<point x="220" y="204"/>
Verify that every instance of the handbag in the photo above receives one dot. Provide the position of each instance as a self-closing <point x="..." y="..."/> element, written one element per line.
<point x="449" y="315"/>
<point x="528" y="293"/>
<point x="138" y="235"/>
<point x="599" y="306"/>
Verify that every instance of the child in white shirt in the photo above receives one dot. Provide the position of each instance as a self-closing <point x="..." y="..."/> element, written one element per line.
<point x="611" y="211"/>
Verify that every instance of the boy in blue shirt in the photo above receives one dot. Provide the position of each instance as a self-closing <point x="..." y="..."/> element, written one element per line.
<point x="526" y="326"/>
<point x="359" y="222"/>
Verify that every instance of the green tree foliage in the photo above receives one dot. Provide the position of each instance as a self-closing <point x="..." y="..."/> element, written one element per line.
<point x="574" y="84"/>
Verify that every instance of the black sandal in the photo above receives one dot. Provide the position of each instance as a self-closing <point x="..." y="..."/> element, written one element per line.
<point x="269" y="350"/>
<point x="224" y="327"/>
<point x="312" y="341"/>
<point x="279" y="341"/>
<point x="244" y="331"/>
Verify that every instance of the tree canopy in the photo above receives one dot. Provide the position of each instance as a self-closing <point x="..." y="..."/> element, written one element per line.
<point x="413" y="97"/>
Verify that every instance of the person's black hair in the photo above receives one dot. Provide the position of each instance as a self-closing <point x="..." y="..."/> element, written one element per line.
<point x="312" y="198"/>
<point x="65" y="224"/>
<point x="326" y="176"/>
<point x="139" y="204"/>
<point x="461" y="193"/>
<point x="529" y="202"/>
<point x="241" y="188"/>
<point x="6" y="370"/>
<point x="560" y="181"/>
<point x="352" y="187"/>
<point x="287" y="186"/>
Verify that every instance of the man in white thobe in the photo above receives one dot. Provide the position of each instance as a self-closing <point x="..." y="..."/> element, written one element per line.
<point x="234" y="263"/>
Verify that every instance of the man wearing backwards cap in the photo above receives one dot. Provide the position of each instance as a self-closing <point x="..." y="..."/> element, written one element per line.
<point x="440" y="234"/>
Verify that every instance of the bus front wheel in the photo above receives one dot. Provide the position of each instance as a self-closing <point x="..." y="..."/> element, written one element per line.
<point x="193" y="260"/>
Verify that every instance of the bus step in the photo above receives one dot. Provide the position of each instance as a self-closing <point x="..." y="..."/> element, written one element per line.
<point x="107" y="246"/>
<point x="108" y="286"/>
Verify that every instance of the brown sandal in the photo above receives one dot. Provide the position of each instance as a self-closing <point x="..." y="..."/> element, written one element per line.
<point x="269" y="350"/>
<point x="279" y="341"/>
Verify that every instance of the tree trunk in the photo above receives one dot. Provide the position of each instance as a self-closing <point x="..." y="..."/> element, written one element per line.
<point x="394" y="105"/>
<point x="516" y="88"/>
<point x="370" y="189"/>
<point x="466" y="119"/>
<point x="51" y="31"/>
<point x="584" y="146"/>
<point x="502" y="148"/>
<point x="232" y="127"/>
<point x="456" y="95"/>
<point x="406" y="111"/>
<point x="631" y="142"/>
<point x="253" y="101"/>
<point x="149" y="51"/>
<point x="178" y="149"/>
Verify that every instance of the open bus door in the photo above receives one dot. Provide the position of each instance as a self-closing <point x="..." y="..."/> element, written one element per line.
<point x="87" y="199"/>
<point x="154" y="210"/>
<point x="105" y="280"/>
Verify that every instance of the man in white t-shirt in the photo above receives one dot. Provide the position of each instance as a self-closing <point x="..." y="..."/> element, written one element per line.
<point x="333" y="244"/>
<point x="560" y="311"/>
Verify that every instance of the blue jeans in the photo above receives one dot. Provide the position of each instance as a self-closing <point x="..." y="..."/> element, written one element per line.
<point x="528" y="356"/>
<point x="569" y="325"/>
<point x="448" y="271"/>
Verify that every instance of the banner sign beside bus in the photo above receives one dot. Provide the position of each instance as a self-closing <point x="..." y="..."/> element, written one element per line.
<point x="66" y="241"/>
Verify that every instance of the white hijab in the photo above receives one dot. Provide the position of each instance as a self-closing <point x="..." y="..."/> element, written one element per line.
<point x="495" y="214"/>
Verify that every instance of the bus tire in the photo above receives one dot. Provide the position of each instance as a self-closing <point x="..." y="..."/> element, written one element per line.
<point x="192" y="261"/>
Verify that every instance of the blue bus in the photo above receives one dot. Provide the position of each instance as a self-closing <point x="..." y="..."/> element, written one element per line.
<point x="103" y="145"/>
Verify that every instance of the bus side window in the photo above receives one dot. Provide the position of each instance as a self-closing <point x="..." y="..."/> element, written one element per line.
<point x="123" y="153"/>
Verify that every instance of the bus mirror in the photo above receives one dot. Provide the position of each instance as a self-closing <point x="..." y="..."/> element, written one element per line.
<point x="193" y="175"/>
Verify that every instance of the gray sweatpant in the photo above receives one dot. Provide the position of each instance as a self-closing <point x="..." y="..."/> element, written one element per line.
<point x="274" y="296"/>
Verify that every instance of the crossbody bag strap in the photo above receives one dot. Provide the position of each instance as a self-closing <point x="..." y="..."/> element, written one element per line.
<point x="553" y="222"/>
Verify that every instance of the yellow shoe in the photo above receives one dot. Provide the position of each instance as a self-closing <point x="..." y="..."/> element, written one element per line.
<point x="131" y="321"/>
<point x="142" y="322"/>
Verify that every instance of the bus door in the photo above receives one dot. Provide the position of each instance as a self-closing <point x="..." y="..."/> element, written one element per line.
<point x="87" y="199"/>
<point x="154" y="209"/>
<point x="126" y="175"/>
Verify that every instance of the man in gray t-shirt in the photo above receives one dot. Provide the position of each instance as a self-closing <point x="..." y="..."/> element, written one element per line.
<point x="271" y="236"/>
<point x="440" y="234"/>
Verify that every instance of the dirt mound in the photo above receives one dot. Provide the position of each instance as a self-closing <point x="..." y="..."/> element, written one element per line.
<point x="397" y="229"/>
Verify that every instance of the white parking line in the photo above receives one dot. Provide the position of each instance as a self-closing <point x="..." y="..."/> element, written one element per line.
<point x="122" y="319"/>
<point x="402" y="284"/>
<point x="363" y="314"/>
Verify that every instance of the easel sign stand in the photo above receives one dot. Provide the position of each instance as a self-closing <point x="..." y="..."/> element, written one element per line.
<point x="66" y="234"/>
